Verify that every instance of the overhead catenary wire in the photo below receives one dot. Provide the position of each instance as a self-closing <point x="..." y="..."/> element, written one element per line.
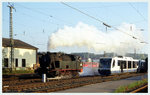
<point x="38" y="18"/>
<point x="43" y="13"/>
<point x="82" y="12"/>
<point x="22" y="24"/>
<point x="89" y="7"/>
<point x="107" y="25"/>
<point x="91" y="16"/>
<point x="137" y="11"/>
<point x="14" y="26"/>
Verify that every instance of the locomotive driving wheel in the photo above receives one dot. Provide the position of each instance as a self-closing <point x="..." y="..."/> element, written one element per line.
<point x="75" y="74"/>
<point x="66" y="74"/>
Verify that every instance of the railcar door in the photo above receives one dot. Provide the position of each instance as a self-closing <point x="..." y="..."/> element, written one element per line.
<point x="122" y="65"/>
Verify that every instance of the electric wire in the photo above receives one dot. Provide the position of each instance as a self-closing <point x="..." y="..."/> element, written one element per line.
<point x="137" y="11"/>
<point x="43" y="13"/>
<point x="86" y="15"/>
<point x="102" y="21"/>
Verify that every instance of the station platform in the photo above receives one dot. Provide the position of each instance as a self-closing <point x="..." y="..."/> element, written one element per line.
<point x="104" y="87"/>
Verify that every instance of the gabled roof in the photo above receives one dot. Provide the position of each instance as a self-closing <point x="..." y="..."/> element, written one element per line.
<point x="17" y="44"/>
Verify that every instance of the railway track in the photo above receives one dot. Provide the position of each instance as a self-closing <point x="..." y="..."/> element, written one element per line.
<point x="35" y="85"/>
<point x="143" y="89"/>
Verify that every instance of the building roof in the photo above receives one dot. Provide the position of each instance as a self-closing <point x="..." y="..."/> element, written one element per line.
<point x="17" y="44"/>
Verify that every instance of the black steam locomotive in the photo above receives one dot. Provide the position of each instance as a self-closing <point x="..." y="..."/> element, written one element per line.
<point x="59" y="64"/>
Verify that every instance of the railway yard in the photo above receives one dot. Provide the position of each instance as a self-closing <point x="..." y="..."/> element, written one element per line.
<point x="72" y="53"/>
<point x="32" y="83"/>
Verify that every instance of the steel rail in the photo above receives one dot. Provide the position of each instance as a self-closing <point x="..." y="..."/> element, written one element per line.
<point x="139" y="89"/>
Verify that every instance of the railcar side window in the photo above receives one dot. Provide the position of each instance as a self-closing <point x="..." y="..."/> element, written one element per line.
<point x="134" y="64"/>
<point x="129" y="64"/>
<point x="124" y="64"/>
<point x="119" y="62"/>
<point x="113" y="63"/>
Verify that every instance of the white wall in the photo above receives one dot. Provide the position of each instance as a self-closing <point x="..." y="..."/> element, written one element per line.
<point x="20" y="53"/>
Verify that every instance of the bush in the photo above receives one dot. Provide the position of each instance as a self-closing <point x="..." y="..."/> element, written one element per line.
<point x="6" y="70"/>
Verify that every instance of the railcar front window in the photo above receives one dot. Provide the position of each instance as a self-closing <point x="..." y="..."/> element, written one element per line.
<point x="105" y="63"/>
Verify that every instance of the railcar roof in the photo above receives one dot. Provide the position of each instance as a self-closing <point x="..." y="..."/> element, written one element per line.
<point x="120" y="58"/>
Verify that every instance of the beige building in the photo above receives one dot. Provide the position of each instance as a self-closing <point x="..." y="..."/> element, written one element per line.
<point x="25" y="55"/>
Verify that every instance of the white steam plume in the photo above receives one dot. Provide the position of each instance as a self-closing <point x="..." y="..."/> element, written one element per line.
<point x="89" y="36"/>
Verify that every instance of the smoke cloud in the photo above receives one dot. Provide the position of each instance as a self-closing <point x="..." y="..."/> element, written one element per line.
<point x="89" y="71"/>
<point x="89" y="36"/>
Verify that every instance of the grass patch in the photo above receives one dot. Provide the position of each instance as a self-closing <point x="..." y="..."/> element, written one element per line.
<point x="8" y="71"/>
<point x="132" y="86"/>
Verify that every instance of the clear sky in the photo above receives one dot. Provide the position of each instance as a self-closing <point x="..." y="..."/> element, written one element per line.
<point x="35" y="22"/>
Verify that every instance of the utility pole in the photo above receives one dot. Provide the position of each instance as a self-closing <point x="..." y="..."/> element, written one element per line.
<point x="134" y="52"/>
<point x="106" y="31"/>
<point x="134" y="48"/>
<point x="11" y="38"/>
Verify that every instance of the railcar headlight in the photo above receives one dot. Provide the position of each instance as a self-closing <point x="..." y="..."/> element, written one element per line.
<point x="81" y="64"/>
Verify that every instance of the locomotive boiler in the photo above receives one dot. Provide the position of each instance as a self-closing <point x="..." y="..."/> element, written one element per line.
<point x="59" y="64"/>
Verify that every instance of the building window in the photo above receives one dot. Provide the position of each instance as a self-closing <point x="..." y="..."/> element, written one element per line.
<point x="23" y="62"/>
<point x="16" y="62"/>
<point x="5" y="62"/>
